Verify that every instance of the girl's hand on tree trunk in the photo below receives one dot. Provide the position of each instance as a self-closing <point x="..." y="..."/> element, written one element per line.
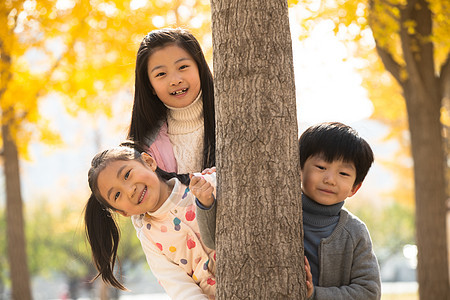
<point x="209" y="170"/>
<point x="202" y="189"/>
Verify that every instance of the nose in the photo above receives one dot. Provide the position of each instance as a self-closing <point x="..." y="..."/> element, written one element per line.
<point x="329" y="178"/>
<point x="131" y="191"/>
<point x="175" y="80"/>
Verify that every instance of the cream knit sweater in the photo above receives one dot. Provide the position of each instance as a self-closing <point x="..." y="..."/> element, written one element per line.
<point x="186" y="131"/>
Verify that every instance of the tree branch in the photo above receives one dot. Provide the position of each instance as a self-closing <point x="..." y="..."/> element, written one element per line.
<point x="389" y="63"/>
<point x="56" y="63"/>
<point x="407" y="46"/>
<point x="444" y="78"/>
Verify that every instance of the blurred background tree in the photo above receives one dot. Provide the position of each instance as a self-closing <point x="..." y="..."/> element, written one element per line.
<point x="411" y="40"/>
<point x="3" y="257"/>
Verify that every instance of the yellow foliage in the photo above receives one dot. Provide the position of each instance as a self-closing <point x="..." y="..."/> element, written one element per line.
<point x="445" y="116"/>
<point x="292" y="2"/>
<point x="84" y="51"/>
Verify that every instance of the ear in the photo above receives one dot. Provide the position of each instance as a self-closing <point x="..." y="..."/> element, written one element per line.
<point x="150" y="161"/>
<point x="355" y="189"/>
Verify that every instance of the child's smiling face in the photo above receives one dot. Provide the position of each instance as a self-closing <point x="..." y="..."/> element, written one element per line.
<point x="131" y="187"/>
<point x="328" y="183"/>
<point x="174" y="76"/>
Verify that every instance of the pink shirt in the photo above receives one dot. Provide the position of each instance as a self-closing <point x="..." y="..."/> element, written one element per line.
<point x="162" y="151"/>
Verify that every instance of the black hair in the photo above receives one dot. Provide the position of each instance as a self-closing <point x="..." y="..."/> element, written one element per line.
<point x="334" y="141"/>
<point x="102" y="230"/>
<point x="148" y="110"/>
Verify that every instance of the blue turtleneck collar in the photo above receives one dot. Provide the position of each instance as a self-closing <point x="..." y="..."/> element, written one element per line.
<point x="318" y="214"/>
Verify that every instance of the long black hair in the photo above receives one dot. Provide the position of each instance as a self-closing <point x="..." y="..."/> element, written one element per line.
<point x="102" y="230"/>
<point x="148" y="110"/>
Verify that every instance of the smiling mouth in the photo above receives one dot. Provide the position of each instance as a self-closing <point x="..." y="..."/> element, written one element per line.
<point x="179" y="92"/>
<point x="142" y="195"/>
<point x="326" y="191"/>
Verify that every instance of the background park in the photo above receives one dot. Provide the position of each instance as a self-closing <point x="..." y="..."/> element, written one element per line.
<point x="66" y="92"/>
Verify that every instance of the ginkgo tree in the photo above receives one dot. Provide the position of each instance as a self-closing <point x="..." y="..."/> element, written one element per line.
<point x="83" y="51"/>
<point x="411" y="38"/>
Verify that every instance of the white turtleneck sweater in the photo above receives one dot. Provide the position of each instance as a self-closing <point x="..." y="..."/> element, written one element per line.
<point x="186" y="132"/>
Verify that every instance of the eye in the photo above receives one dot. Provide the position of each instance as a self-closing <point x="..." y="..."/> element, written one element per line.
<point x="184" y="67"/>
<point x="320" y="167"/>
<point x="344" y="174"/>
<point x="160" y="74"/>
<point x="116" y="196"/>
<point x="127" y="174"/>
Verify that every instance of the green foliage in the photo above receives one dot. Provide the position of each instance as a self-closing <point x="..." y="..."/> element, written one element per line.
<point x="391" y="226"/>
<point x="57" y="243"/>
<point x="130" y="250"/>
<point x="55" y="239"/>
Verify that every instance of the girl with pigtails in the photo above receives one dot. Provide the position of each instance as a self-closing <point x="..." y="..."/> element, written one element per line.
<point x="161" y="205"/>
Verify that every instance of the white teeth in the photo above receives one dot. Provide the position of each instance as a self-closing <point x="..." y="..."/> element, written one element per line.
<point x="179" y="92"/>
<point x="142" y="195"/>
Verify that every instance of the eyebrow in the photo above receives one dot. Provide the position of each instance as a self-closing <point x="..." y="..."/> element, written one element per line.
<point x="177" y="61"/>
<point x="118" y="175"/>
<point x="349" y="165"/>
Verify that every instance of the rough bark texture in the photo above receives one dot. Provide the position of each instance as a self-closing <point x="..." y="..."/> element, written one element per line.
<point x="14" y="220"/>
<point x="259" y="230"/>
<point x="424" y="91"/>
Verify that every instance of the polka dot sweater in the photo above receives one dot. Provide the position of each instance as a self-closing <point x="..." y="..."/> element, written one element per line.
<point x="170" y="237"/>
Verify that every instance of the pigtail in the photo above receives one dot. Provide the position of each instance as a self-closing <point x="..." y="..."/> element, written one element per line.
<point x="183" y="178"/>
<point x="103" y="235"/>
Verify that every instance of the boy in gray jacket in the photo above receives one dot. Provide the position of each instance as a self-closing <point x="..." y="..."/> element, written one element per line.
<point x="340" y="264"/>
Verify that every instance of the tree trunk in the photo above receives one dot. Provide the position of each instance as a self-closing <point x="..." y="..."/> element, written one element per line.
<point x="424" y="101"/>
<point x="430" y="194"/>
<point x="259" y="231"/>
<point x="14" y="219"/>
<point x="428" y="155"/>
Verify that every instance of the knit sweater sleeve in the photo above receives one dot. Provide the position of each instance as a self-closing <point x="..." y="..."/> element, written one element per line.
<point x="206" y="219"/>
<point x="357" y="269"/>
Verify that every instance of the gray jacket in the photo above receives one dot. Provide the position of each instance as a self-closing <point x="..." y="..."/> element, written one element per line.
<point x="348" y="266"/>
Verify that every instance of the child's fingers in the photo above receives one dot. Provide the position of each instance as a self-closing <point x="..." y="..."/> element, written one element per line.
<point x="209" y="170"/>
<point x="306" y="262"/>
<point x="203" y="187"/>
<point x="308" y="270"/>
<point x="196" y="181"/>
<point x="207" y="190"/>
<point x="309" y="283"/>
<point x="203" y="191"/>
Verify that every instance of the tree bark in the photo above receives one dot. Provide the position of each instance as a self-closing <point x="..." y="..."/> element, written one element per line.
<point x="259" y="232"/>
<point x="430" y="194"/>
<point x="18" y="265"/>
<point x="424" y="99"/>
